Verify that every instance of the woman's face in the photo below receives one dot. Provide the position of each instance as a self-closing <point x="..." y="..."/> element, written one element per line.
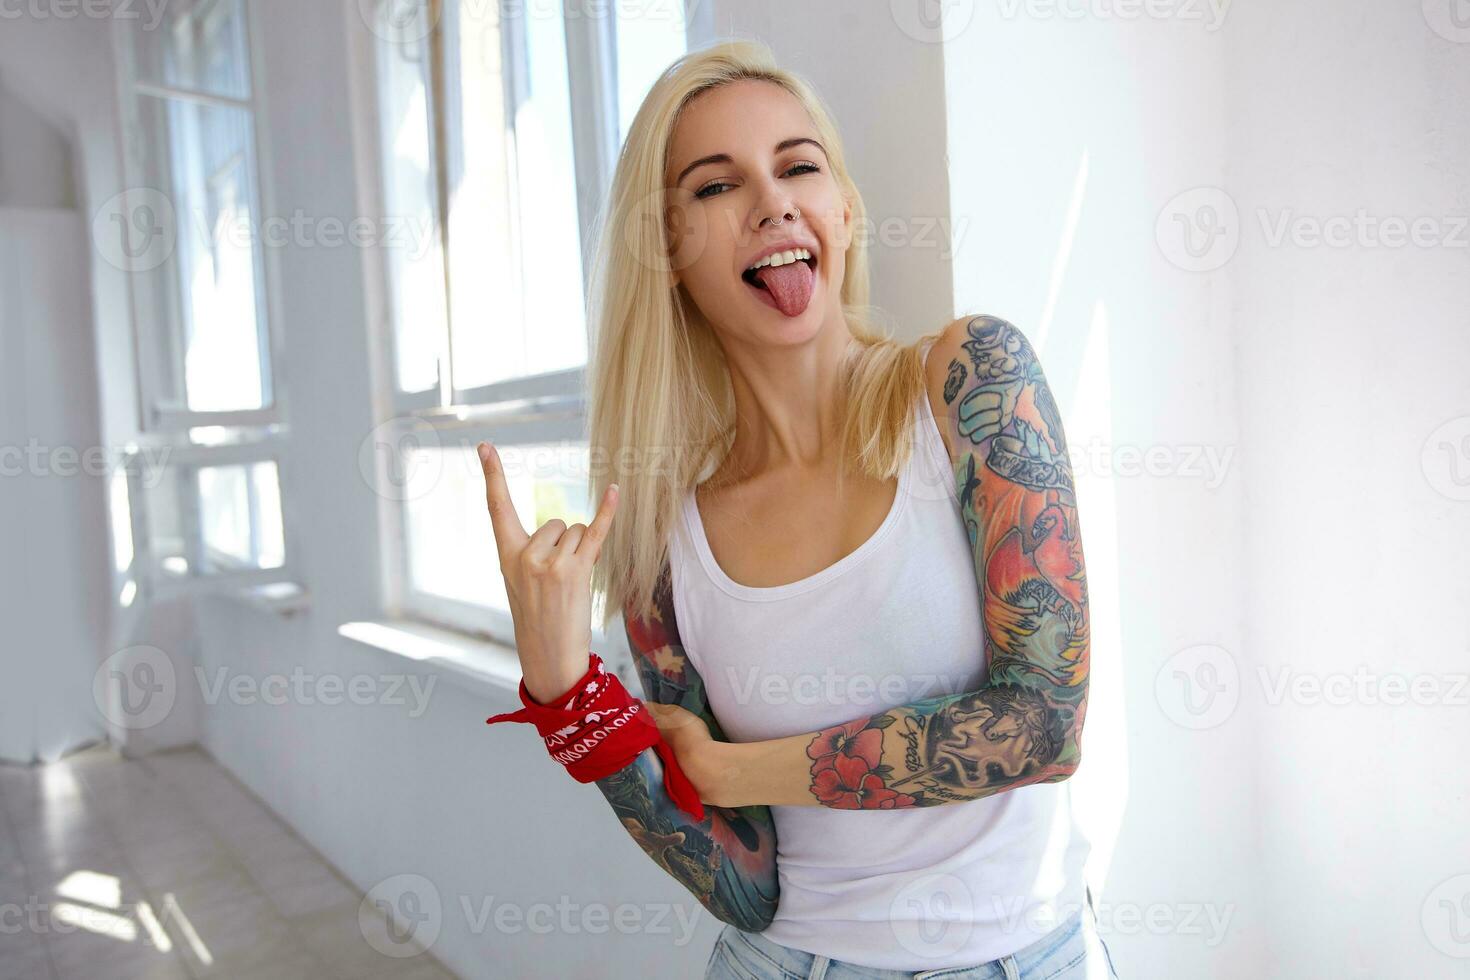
<point x="743" y="156"/>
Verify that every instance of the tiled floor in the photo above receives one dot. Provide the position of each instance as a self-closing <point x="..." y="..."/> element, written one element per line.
<point x="166" y="867"/>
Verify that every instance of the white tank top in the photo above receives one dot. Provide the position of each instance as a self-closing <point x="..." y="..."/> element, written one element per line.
<point x="896" y="621"/>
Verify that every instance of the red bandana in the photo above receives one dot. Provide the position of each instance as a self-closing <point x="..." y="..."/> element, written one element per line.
<point x="597" y="728"/>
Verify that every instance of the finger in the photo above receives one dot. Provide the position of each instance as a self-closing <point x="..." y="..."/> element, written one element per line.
<point x="510" y="535"/>
<point x="542" y="544"/>
<point x="591" y="544"/>
<point x="567" y="544"/>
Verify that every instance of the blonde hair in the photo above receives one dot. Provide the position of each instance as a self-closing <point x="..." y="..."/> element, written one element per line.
<point x="662" y="409"/>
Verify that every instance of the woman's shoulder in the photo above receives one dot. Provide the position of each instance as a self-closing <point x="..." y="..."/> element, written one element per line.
<point x="959" y="356"/>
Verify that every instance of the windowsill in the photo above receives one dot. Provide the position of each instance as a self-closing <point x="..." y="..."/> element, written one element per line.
<point x="470" y="662"/>
<point x="282" y="598"/>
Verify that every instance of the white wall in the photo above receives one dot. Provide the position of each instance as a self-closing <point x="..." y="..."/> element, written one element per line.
<point x="1318" y="832"/>
<point x="60" y="68"/>
<point x="51" y="510"/>
<point x="1351" y="359"/>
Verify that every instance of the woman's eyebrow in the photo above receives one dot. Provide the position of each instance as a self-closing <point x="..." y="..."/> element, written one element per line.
<point x="725" y="157"/>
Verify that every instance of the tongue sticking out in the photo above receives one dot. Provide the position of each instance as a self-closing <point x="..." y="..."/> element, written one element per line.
<point x="790" y="286"/>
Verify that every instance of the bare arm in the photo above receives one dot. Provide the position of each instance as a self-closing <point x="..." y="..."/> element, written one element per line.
<point x="1024" y="724"/>
<point x="728" y="860"/>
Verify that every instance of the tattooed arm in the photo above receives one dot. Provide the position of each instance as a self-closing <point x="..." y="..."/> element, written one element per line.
<point x="728" y="860"/>
<point x="1024" y="725"/>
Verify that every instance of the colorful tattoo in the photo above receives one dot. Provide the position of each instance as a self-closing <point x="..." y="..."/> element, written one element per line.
<point x="728" y="861"/>
<point x="1019" y="505"/>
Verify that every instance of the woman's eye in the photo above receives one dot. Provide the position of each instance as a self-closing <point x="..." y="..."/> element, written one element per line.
<point x="709" y="190"/>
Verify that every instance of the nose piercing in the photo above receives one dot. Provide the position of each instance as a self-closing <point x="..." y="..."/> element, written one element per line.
<point x="793" y="217"/>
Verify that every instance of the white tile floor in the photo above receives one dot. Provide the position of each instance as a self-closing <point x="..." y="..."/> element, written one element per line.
<point x="166" y="867"/>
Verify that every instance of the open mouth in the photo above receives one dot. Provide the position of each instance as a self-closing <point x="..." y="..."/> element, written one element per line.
<point x="750" y="277"/>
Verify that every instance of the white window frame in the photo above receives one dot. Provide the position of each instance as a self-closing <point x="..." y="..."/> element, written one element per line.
<point x="156" y="412"/>
<point x="262" y="432"/>
<point x="535" y="409"/>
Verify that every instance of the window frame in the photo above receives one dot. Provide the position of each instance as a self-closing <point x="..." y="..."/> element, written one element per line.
<point x="544" y="408"/>
<point x="155" y="412"/>
<point x="259" y="435"/>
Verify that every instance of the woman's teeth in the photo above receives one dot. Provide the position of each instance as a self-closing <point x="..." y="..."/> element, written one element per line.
<point x="781" y="258"/>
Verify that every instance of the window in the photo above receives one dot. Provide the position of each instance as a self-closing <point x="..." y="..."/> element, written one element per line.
<point x="499" y="126"/>
<point x="200" y="505"/>
<point x="199" y="301"/>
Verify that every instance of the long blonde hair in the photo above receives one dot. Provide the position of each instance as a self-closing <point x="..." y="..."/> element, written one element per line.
<point x="662" y="409"/>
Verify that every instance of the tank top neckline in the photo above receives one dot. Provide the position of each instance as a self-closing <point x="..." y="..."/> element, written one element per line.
<point x="694" y="524"/>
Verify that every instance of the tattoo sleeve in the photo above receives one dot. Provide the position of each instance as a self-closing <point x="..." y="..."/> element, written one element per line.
<point x="728" y="861"/>
<point x="1017" y="500"/>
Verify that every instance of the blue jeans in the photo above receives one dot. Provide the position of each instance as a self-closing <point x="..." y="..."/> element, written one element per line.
<point x="1071" y="951"/>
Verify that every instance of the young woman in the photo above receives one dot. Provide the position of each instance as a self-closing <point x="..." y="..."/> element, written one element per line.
<point x="850" y="570"/>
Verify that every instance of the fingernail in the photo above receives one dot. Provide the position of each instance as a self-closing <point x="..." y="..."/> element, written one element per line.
<point x="484" y="452"/>
<point x="613" y="487"/>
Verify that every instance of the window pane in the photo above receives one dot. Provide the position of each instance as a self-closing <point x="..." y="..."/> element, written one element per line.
<point x="452" y="549"/>
<point x="122" y="519"/>
<point x="650" y="36"/>
<point x="204" y="328"/>
<point x="240" y="518"/>
<point x="198" y="45"/>
<point x="514" y="241"/>
<point x="214" y="519"/>
<point x="415" y="262"/>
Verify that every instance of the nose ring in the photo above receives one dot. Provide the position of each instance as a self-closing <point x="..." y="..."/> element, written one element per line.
<point x="794" y="216"/>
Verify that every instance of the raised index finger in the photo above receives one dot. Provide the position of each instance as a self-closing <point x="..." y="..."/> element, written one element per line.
<point x="510" y="535"/>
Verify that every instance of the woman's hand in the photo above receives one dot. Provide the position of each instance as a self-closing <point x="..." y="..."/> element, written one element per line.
<point x="547" y="577"/>
<point x="706" y="762"/>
